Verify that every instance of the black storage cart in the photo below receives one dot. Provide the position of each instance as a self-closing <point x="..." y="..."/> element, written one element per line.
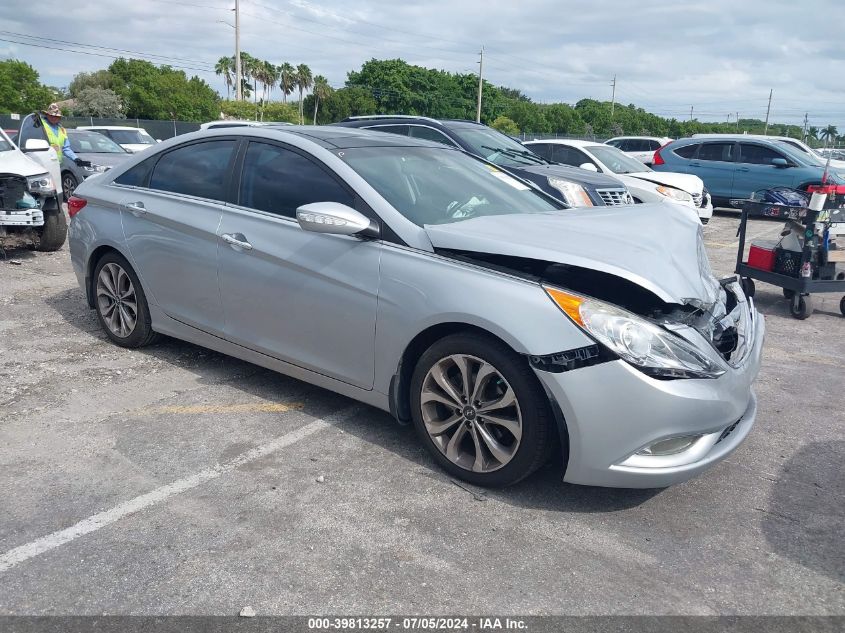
<point x="797" y="289"/>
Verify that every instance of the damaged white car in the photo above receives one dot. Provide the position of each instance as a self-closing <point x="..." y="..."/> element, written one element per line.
<point x="432" y="284"/>
<point x="30" y="207"/>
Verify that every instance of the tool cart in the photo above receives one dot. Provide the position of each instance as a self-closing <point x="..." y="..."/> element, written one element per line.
<point x="809" y="266"/>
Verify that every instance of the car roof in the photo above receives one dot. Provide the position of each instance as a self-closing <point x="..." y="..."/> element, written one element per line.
<point x="573" y="142"/>
<point x="109" y="127"/>
<point x="644" y="138"/>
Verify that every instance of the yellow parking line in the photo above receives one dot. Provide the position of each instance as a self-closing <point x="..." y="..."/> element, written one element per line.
<point x="259" y="407"/>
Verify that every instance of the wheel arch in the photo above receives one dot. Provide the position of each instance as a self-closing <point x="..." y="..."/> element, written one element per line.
<point x="96" y="255"/>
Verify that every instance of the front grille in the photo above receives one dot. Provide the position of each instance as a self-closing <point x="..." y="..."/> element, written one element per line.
<point x="697" y="199"/>
<point x="614" y="197"/>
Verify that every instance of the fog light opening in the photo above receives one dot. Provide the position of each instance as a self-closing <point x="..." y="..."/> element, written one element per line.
<point x="672" y="446"/>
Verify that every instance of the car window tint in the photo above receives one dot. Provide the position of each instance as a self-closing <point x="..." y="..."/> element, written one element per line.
<point x="392" y="129"/>
<point x="757" y="154"/>
<point x="541" y="149"/>
<point x="430" y="134"/>
<point x="198" y="169"/>
<point x="278" y="180"/>
<point x="653" y="145"/>
<point x="639" y="145"/>
<point x="569" y="156"/>
<point x="138" y="175"/>
<point x="616" y="143"/>
<point x="717" y="152"/>
<point x="687" y="151"/>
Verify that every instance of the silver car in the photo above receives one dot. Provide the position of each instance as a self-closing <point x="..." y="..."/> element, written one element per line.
<point x="431" y="284"/>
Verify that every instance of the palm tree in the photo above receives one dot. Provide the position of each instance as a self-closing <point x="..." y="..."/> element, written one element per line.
<point x="813" y="133"/>
<point x="249" y="65"/>
<point x="286" y="79"/>
<point x="829" y="134"/>
<point x="303" y="83"/>
<point x="322" y="90"/>
<point x="271" y="76"/>
<point x="224" y="67"/>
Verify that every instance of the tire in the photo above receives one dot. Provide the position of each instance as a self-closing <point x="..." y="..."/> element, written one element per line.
<point x="53" y="234"/>
<point x="505" y="457"/>
<point x="113" y="278"/>
<point x="801" y="306"/>
<point x="69" y="184"/>
<point x="842" y="305"/>
<point x="748" y="287"/>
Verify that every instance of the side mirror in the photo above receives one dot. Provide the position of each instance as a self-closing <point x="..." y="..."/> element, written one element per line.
<point x="36" y="145"/>
<point x="588" y="167"/>
<point x="334" y="218"/>
<point x="780" y="162"/>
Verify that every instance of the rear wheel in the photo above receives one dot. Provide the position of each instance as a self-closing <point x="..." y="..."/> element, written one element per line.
<point x="120" y="303"/>
<point x="54" y="232"/>
<point x="480" y="411"/>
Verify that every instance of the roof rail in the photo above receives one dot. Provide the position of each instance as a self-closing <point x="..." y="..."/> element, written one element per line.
<point x="389" y="116"/>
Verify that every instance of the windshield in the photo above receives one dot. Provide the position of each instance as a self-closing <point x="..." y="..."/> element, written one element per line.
<point x="498" y="148"/>
<point x="131" y="137"/>
<point x="799" y="155"/>
<point x="92" y="142"/>
<point x="616" y="160"/>
<point x="439" y="186"/>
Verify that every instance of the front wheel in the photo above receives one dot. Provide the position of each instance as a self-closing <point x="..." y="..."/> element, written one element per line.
<point x="52" y="236"/>
<point x="480" y="411"/>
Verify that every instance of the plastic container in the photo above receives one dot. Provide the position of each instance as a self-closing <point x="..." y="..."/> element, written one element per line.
<point x="761" y="255"/>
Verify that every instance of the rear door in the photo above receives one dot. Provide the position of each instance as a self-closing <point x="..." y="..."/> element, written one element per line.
<point x="755" y="170"/>
<point x="715" y="164"/>
<point x="171" y="211"/>
<point x="306" y="298"/>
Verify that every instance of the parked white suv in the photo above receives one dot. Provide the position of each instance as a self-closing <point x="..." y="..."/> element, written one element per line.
<point x="640" y="147"/>
<point x="132" y="139"/>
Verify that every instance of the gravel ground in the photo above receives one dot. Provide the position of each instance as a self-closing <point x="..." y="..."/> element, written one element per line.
<point x="174" y="480"/>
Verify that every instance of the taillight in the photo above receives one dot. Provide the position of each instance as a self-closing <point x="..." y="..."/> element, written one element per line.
<point x="658" y="159"/>
<point x="75" y="205"/>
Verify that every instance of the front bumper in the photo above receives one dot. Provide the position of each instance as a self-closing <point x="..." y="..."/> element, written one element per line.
<point x="612" y="411"/>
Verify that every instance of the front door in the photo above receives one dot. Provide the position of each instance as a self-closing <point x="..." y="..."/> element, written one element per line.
<point x="306" y="298"/>
<point x="171" y="230"/>
<point x="755" y="171"/>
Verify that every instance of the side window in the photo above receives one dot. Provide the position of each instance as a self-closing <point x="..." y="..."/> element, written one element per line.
<point x="757" y="154"/>
<point x="430" y="134"/>
<point x="653" y="145"/>
<point x="541" y="149"/>
<point x="717" y="151"/>
<point x="687" y="151"/>
<point x="198" y="169"/>
<point x="638" y="145"/>
<point x="617" y="143"/>
<point x="392" y="129"/>
<point x="278" y="180"/>
<point x="137" y="176"/>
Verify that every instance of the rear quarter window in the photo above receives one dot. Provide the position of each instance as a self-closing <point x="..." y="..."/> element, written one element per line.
<point x="687" y="151"/>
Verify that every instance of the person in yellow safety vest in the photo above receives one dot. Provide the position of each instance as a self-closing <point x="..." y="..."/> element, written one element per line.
<point x="50" y="120"/>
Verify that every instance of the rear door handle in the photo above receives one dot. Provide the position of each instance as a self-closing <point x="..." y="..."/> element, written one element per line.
<point x="743" y="169"/>
<point x="136" y="208"/>
<point x="236" y="240"/>
<point x="695" y="164"/>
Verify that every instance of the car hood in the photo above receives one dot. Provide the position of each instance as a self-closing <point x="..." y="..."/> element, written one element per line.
<point x="685" y="182"/>
<point x="105" y="159"/>
<point x="575" y="174"/>
<point x="646" y="244"/>
<point x="16" y="162"/>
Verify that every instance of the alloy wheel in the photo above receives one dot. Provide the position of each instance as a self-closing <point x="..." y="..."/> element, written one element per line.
<point x="471" y="413"/>
<point x="116" y="300"/>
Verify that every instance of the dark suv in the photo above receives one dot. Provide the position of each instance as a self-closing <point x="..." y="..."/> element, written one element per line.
<point x="576" y="187"/>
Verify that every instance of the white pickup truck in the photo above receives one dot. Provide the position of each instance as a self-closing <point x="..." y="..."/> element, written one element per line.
<point x="30" y="195"/>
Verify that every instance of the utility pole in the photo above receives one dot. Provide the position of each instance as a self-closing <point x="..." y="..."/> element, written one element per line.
<point x="238" y="80"/>
<point x="613" y="97"/>
<point x="768" y="110"/>
<point x="480" y="84"/>
<point x="806" y="121"/>
<point x="737" y="121"/>
<point x="690" y="112"/>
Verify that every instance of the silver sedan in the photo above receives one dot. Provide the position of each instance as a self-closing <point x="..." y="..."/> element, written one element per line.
<point x="431" y="284"/>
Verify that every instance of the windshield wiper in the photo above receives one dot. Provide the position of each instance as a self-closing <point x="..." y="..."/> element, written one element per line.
<point x="519" y="154"/>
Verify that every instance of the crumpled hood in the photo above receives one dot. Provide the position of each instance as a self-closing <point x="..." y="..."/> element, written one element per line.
<point x="646" y="244"/>
<point x="16" y="162"/>
<point x="685" y="182"/>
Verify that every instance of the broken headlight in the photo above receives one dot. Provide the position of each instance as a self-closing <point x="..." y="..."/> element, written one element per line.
<point x="645" y="345"/>
<point x="42" y="183"/>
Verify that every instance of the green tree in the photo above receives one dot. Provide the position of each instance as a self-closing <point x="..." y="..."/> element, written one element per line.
<point x="322" y="91"/>
<point x="287" y="83"/>
<point x="303" y="80"/>
<point x="829" y="134"/>
<point x="343" y="103"/>
<point x="99" y="102"/>
<point x="505" y="126"/>
<point x="224" y="67"/>
<point x="813" y="133"/>
<point x="102" y="79"/>
<point x="20" y="89"/>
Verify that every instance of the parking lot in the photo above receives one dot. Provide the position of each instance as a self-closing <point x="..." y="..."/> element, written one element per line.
<point x="174" y="480"/>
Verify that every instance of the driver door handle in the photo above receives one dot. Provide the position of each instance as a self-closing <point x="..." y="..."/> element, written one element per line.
<point x="236" y="240"/>
<point x="136" y="208"/>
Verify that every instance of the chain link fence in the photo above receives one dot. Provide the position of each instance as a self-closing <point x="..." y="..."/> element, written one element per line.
<point x="160" y="130"/>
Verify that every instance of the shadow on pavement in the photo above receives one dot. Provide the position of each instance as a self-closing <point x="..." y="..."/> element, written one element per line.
<point x="805" y="515"/>
<point x="544" y="490"/>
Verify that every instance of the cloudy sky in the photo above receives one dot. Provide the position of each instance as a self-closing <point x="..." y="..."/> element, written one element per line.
<point x="718" y="56"/>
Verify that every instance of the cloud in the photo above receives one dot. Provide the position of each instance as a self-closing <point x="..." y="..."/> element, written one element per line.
<point x="719" y="56"/>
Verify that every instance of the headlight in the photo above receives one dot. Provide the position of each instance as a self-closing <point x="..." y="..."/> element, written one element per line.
<point x="42" y="183"/>
<point x="95" y="169"/>
<point x="572" y="193"/>
<point x="675" y="194"/>
<point x="648" y="347"/>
